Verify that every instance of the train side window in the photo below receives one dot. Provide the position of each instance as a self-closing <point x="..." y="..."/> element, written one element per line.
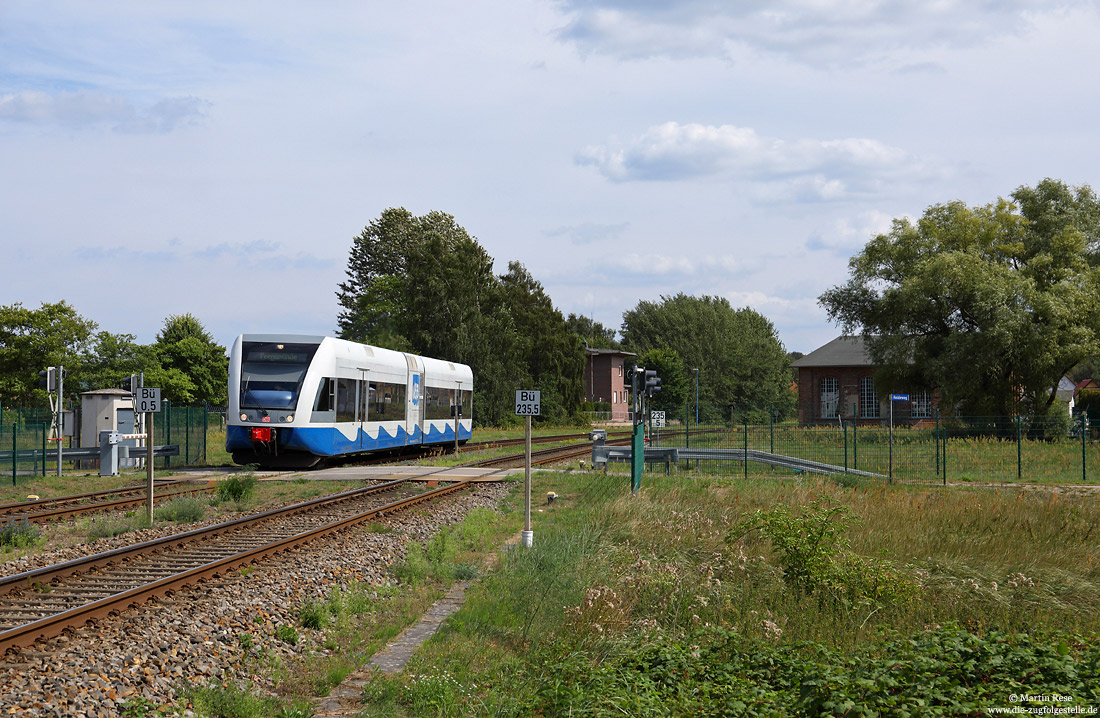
<point x="326" y="395"/>
<point x="345" y="399"/>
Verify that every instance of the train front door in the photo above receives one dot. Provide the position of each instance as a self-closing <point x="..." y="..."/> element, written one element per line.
<point x="414" y="407"/>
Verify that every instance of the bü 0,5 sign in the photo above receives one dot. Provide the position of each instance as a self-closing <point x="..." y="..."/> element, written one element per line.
<point x="528" y="402"/>
<point x="147" y="399"/>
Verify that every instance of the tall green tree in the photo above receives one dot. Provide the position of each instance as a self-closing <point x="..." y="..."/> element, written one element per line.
<point x="676" y="385"/>
<point x="989" y="304"/>
<point x="112" y="358"/>
<point x="742" y="364"/>
<point x="187" y="351"/>
<point x="33" y="339"/>
<point x="424" y="285"/>
<point x="596" y="334"/>
<point x="552" y="354"/>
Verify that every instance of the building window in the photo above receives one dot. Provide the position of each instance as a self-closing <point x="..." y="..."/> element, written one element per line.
<point x="868" y="401"/>
<point x="620" y="370"/>
<point x="830" y="397"/>
<point x="922" y="405"/>
<point x="614" y="397"/>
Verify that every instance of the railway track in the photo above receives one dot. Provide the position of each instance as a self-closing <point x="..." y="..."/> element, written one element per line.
<point x="542" y="457"/>
<point x="45" y="602"/>
<point x="51" y="509"/>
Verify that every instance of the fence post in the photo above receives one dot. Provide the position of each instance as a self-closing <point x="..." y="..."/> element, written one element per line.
<point x="187" y="436"/>
<point x="1019" y="450"/>
<point x="205" y="427"/>
<point x="15" y="449"/>
<point x="746" y="426"/>
<point x="1084" y="435"/>
<point x="936" y="442"/>
<point x="844" y="427"/>
<point x="945" y="454"/>
<point x="771" y="425"/>
<point x="167" y="409"/>
<point x="855" y="444"/>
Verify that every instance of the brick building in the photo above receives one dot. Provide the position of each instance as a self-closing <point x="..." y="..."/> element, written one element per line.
<point x="604" y="380"/>
<point x="836" y="381"/>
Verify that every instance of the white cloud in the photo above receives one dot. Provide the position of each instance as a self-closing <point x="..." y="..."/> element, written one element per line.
<point x="589" y="232"/>
<point x="91" y="109"/>
<point x="802" y="169"/>
<point x="847" y="235"/>
<point x="811" y="31"/>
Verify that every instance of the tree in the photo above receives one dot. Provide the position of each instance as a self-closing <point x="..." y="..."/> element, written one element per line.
<point x="552" y="354"/>
<point x="33" y="339"/>
<point x="424" y="285"/>
<point x="112" y="358"/>
<point x="676" y="385"/>
<point x="991" y="304"/>
<point x="742" y="364"/>
<point x="596" y="334"/>
<point x="195" y="367"/>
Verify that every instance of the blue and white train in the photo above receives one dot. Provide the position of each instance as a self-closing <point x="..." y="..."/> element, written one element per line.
<point x="295" y="400"/>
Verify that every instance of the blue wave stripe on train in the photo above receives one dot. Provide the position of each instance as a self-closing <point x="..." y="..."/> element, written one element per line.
<point x="329" y="441"/>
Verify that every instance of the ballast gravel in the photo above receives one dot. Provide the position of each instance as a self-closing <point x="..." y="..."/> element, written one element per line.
<point x="142" y="657"/>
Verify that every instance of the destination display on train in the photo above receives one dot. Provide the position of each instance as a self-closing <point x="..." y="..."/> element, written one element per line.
<point x="289" y="356"/>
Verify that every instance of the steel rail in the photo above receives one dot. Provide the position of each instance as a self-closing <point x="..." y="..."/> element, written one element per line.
<point x="21" y="506"/>
<point x="28" y="634"/>
<point x="105" y="506"/>
<point x="45" y="574"/>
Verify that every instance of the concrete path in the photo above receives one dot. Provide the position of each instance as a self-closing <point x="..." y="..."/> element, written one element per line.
<point x="344" y="700"/>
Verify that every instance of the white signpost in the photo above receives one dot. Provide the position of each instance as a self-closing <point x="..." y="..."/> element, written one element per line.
<point x="657" y="418"/>
<point x="528" y="404"/>
<point x="147" y="401"/>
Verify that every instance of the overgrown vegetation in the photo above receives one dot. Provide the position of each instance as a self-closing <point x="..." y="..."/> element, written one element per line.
<point x="237" y="488"/>
<point x="801" y="597"/>
<point x="19" y="533"/>
<point x="184" y="509"/>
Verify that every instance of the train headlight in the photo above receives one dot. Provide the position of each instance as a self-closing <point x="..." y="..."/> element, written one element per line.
<point x="244" y="417"/>
<point x="289" y="418"/>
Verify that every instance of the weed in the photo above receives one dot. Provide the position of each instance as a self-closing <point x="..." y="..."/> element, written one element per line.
<point x="230" y="701"/>
<point x="20" y="533"/>
<point x="237" y="489"/>
<point x="246" y="640"/>
<point x="184" y="509"/>
<point x="287" y="634"/>
<point x="313" y="615"/>
<point x="116" y="526"/>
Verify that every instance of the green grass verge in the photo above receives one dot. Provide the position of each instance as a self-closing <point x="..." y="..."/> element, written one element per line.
<point x="717" y="597"/>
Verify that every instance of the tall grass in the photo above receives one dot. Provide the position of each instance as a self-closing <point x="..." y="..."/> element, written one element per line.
<point x="623" y="597"/>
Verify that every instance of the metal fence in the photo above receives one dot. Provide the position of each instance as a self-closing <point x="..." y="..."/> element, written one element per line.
<point x="961" y="449"/>
<point x="27" y="450"/>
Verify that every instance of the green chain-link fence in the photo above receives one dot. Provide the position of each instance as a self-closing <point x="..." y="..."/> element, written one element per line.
<point x="958" y="449"/>
<point x="24" y="438"/>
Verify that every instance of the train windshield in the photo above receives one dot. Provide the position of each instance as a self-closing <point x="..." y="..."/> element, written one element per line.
<point x="272" y="373"/>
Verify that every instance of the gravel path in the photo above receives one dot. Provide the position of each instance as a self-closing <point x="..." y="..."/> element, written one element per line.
<point x="192" y="637"/>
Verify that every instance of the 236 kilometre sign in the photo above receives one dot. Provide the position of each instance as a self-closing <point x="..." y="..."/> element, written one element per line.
<point x="528" y="402"/>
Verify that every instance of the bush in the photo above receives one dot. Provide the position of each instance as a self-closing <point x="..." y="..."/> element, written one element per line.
<point x="814" y="556"/>
<point x="185" y="509"/>
<point x="19" y="533"/>
<point x="313" y="615"/>
<point x="236" y="488"/>
<point x="287" y="634"/>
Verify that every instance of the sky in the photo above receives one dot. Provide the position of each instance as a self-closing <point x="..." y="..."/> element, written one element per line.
<point x="218" y="159"/>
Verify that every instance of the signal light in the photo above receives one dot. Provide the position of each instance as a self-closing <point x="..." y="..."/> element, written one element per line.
<point x="48" y="380"/>
<point x="260" y="433"/>
<point x="652" y="382"/>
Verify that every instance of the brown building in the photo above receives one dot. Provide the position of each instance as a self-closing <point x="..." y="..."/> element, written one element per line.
<point x="604" y="380"/>
<point x="837" y="382"/>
